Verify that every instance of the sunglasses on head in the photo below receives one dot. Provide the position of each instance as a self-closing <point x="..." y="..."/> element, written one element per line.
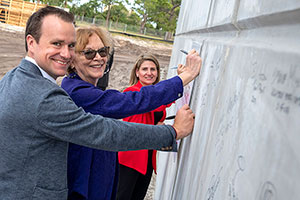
<point x="90" y="54"/>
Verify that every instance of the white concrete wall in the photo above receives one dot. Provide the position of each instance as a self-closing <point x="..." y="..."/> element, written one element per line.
<point x="246" y="140"/>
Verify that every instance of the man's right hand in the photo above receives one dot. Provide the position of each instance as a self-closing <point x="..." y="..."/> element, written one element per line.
<point x="184" y="122"/>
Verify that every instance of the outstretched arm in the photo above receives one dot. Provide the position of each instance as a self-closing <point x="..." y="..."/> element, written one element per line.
<point x="114" y="104"/>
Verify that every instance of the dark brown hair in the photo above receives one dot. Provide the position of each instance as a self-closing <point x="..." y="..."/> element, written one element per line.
<point x="34" y="23"/>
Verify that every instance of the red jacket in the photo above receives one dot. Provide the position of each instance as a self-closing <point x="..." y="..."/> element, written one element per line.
<point x="138" y="160"/>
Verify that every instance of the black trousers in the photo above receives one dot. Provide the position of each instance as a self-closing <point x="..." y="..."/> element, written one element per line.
<point x="132" y="184"/>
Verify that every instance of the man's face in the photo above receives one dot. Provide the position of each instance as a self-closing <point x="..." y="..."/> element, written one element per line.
<point x="55" y="50"/>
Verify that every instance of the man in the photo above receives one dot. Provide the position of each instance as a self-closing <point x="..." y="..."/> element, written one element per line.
<point x="38" y="119"/>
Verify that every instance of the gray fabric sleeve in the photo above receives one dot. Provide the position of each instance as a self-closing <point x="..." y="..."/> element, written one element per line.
<point x="60" y="118"/>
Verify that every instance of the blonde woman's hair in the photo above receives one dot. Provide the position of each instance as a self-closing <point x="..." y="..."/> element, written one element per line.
<point x="82" y="39"/>
<point x="139" y="61"/>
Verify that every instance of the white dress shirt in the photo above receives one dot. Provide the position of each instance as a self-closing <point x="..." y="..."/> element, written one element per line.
<point x="45" y="74"/>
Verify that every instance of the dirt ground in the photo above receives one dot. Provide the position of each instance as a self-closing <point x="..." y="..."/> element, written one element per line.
<point x="126" y="51"/>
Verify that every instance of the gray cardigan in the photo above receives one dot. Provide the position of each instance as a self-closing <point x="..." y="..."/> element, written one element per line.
<point x="37" y="121"/>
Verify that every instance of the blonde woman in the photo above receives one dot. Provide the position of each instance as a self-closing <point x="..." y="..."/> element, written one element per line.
<point x="136" y="167"/>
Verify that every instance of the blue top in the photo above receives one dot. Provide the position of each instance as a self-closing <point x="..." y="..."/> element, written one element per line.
<point x="94" y="173"/>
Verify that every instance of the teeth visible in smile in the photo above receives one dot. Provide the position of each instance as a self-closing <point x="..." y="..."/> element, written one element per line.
<point x="98" y="66"/>
<point x="60" y="62"/>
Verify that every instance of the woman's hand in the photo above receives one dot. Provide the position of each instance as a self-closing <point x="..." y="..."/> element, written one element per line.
<point x="180" y="68"/>
<point x="192" y="68"/>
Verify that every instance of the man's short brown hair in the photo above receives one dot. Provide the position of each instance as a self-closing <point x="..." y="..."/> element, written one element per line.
<point x="34" y="23"/>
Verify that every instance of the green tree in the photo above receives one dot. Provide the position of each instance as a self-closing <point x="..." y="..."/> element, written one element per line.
<point x="118" y="13"/>
<point x="60" y="3"/>
<point x="107" y="4"/>
<point x="89" y="9"/>
<point x="163" y="13"/>
<point x="133" y="18"/>
<point x="167" y="14"/>
<point x="144" y="8"/>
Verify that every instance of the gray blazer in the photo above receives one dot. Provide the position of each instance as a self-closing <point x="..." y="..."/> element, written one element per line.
<point x="37" y="121"/>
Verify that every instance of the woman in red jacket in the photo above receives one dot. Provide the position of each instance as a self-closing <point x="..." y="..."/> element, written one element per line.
<point x="136" y="167"/>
